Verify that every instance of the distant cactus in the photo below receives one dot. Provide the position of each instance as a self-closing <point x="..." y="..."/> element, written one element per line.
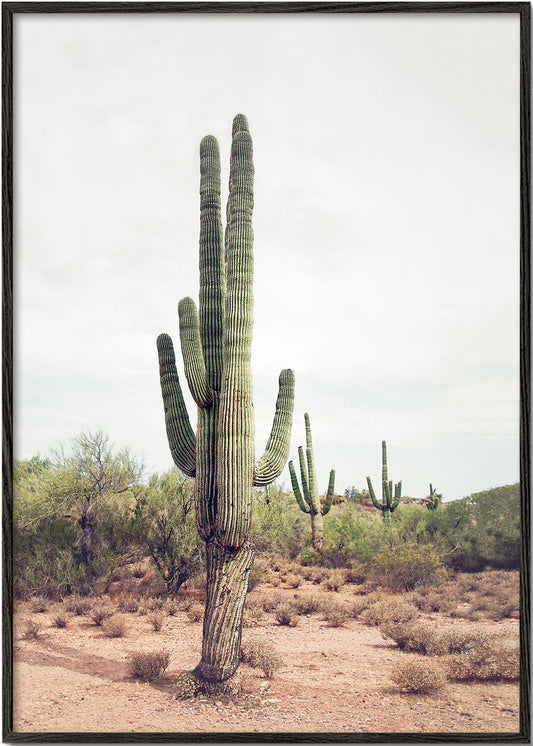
<point x="216" y="348"/>
<point x="310" y="502"/>
<point x="390" y="503"/>
<point x="433" y="500"/>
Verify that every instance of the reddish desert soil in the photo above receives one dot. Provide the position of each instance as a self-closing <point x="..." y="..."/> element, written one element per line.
<point x="333" y="680"/>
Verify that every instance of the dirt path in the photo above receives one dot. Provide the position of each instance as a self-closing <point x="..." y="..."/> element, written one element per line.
<point x="332" y="680"/>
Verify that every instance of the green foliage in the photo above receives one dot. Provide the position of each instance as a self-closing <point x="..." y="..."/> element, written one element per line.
<point x="163" y="523"/>
<point x="277" y="525"/>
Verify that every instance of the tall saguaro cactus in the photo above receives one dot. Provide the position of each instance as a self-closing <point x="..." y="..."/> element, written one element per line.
<point x="310" y="502"/>
<point x="216" y="348"/>
<point x="390" y="503"/>
<point x="434" y="499"/>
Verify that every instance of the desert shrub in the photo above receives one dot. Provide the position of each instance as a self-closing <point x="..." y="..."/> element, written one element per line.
<point x="115" y="627"/>
<point x="100" y="612"/>
<point x="148" y="666"/>
<point x="31" y="629"/>
<point x="263" y="655"/>
<point x="38" y="606"/>
<point x="335" y="614"/>
<point x="409" y="636"/>
<point x="60" y="621"/>
<point x="388" y="609"/>
<point x="187" y="685"/>
<point x="196" y="612"/>
<point x="253" y="612"/>
<point x="128" y="604"/>
<point x="409" y="566"/>
<point x="357" y="606"/>
<point x="334" y="580"/>
<point x="488" y="658"/>
<point x="172" y="608"/>
<point x="308" y="604"/>
<point x="418" y="677"/>
<point x="293" y="580"/>
<point x="355" y="574"/>
<point x="138" y="571"/>
<point x="78" y="605"/>
<point x="286" y="615"/>
<point x="156" y="620"/>
<point x="272" y="601"/>
<point x="155" y="604"/>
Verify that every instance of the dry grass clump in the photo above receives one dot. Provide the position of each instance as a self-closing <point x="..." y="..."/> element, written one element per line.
<point x="31" y="629"/>
<point x="128" y="604"/>
<point x="412" y="637"/>
<point x="308" y="604"/>
<point x="334" y="580"/>
<point x="60" y="621"/>
<point x="386" y="608"/>
<point x="335" y="614"/>
<point x="115" y="627"/>
<point x="148" y="666"/>
<point x="38" y="606"/>
<point x="489" y="658"/>
<point x="78" y="605"/>
<point x="196" y="612"/>
<point x="253" y="612"/>
<point x="263" y="655"/>
<point x="292" y="580"/>
<point x="100" y="612"/>
<point x="418" y="677"/>
<point x="156" y="620"/>
<point x="286" y="615"/>
<point x="357" y="606"/>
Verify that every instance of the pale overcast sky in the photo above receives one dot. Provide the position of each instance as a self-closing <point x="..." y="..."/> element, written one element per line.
<point x="386" y="230"/>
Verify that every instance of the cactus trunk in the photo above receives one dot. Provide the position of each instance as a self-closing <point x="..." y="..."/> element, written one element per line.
<point x="216" y="348"/>
<point x="390" y="503"/>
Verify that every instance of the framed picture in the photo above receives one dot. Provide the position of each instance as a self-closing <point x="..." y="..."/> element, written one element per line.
<point x="197" y="196"/>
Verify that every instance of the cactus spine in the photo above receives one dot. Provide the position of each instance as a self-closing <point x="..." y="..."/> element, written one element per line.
<point x="310" y="501"/>
<point x="390" y="503"/>
<point x="433" y="500"/>
<point x="216" y="349"/>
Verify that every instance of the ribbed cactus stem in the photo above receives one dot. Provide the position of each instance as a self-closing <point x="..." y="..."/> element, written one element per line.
<point x="307" y="497"/>
<point x="390" y="500"/>
<point x="216" y="347"/>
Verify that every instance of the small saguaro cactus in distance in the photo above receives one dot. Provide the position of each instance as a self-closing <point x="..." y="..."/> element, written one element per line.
<point x="216" y="348"/>
<point x="433" y="500"/>
<point x="310" y="501"/>
<point x="390" y="503"/>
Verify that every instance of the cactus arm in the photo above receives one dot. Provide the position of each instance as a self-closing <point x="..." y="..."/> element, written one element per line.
<point x="296" y="489"/>
<point x="303" y="474"/>
<point x="376" y="502"/>
<point x="329" y="495"/>
<point x="236" y="421"/>
<point x="180" y="435"/>
<point x="271" y="464"/>
<point x="212" y="266"/>
<point x="313" y="489"/>
<point x="397" y="496"/>
<point x="191" y="348"/>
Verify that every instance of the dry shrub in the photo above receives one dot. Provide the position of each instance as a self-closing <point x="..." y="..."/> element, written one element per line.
<point x="357" y="606"/>
<point x="418" y="677"/>
<point x="388" y="609"/>
<point x="308" y="604"/>
<point x="115" y="627"/>
<point x="172" y="608"/>
<point x="156" y="620"/>
<point x="409" y="636"/>
<point x="138" y="571"/>
<point x="488" y="658"/>
<point x="293" y="580"/>
<point x="31" y="629"/>
<point x="38" y="606"/>
<point x="334" y="580"/>
<point x="128" y="604"/>
<point x="263" y="655"/>
<point x="286" y="615"/>
<point x="196" y="612"/>
<point x="100" y="612"/>
<point x="335" y="614"/>
<point x="78" y="605"/>
<point x="148" y="666"/>
<point x="155" y="604"/>
<point x="271" y="602"/>
<point x="253" y="612"/>
<point x="60" y="621"/>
